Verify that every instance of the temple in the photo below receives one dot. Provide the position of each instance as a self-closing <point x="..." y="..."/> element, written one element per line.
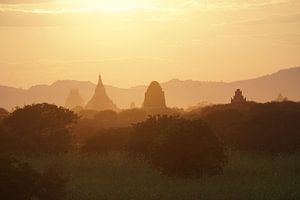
<point x="100" y="101"/>
<point x="281" y="98"/>
<point x="238" y="97"/>
<point x="74" y="99"/>
<point x="155" y="99"/>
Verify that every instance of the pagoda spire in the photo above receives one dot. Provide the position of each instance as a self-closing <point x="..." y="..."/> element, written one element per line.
<point x="100" y="80"/>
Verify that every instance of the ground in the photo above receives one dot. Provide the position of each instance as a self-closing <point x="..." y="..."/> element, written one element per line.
<point x="115" y="177"/>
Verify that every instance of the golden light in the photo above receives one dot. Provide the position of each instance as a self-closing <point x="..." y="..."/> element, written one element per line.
<point x="112" y="5"/>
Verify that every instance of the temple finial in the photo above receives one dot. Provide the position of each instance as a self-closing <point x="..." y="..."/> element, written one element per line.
<point x="100" y="79"/>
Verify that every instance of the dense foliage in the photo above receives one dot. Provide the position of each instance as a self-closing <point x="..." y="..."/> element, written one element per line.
<point x="271" y="127"/>
<point x="108" y="140"/>
<point x="178" y="147"/>
<point x="3" y="113"/>
<point x="188" y="148"/>
<point x="18" y="181"/>
<point x="37" y="128"/>
<point x="144" y="134"/>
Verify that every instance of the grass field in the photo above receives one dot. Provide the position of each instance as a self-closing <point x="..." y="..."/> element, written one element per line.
<point x="114" y="177"/>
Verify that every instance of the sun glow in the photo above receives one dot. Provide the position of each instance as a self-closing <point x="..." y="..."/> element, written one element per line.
<point x="114" y="5"/>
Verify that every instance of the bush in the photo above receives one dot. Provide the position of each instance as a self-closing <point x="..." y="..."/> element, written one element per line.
<point x="272" y="132"/>
<point x="107" y="118"/>
<point x="108" y="140"/>
<point x="18" y="181"/>
<point x="269" y="127"/>
<point x="39" y="128"/>
<point x="52" y="186"/>
<point x="144" y="134"/>
<point x="178" y="147"/>
<point x="188" y="149"/>
<point x="128" y="117"/>
<point x="3" y="113"/>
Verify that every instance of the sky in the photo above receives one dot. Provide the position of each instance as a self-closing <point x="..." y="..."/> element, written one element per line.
<point x="132" y="42"/>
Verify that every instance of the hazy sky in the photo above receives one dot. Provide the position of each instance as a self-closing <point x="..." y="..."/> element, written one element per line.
<point x="135" y="41"/>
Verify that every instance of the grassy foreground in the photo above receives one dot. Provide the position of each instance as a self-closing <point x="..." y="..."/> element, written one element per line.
<point x="114" y="177"/>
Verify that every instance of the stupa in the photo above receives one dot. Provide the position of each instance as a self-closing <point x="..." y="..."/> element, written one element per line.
<point x="100" y="101"/>
<point x="238" y="97"/>
<point x="74" y="99"/>
<point x="155" y="98"/>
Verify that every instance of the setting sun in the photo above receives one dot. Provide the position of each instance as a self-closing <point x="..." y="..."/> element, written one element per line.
<point x="110" y="5"/>
<point x="149" y="99"/>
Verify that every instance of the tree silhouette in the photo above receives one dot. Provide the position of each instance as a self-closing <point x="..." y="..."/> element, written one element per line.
<point x="188" y="148"/>
<point x="177" y="146"/>
<point x="108" y="140"/>
<point x="3" y="113"/>
<point x="40" y="128"/>
<point x="19" y="181"/>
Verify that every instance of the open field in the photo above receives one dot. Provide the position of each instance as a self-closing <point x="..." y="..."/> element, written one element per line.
<point x="246" y="176"/>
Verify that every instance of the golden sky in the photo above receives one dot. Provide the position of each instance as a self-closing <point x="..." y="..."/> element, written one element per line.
<point x="132" y="42"/>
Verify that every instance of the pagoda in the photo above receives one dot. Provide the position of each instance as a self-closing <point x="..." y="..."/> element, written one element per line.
<point x="238" y="97"/>
<point x="100" y="101"/>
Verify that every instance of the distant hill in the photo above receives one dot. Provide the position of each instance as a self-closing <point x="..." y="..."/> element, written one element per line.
<point x="178" y="93"/>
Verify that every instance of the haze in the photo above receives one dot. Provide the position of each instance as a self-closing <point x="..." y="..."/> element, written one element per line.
<point x="132" y="42"/>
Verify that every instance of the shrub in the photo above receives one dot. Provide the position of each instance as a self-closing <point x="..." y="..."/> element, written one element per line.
<point x="272" y="131"/>
<point x="255" y="127"/>
<point x="188" y="148"/>
<point x="18" y="181"/>
<point x="52" y="186"/>
<point x="144" y="133"/>
<point x="108" y="140"/>
<point x="39" y="128"/>
<point x="107" y="118"/>
<point x="178" y="147"/>
<point x="128" y="117"/>
<point x="3" y="113"/>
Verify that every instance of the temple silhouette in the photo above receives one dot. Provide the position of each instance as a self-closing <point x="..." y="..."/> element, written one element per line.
<point x="154" y="101"/>
<point x="238" y="97"/>
<point x="100" y="101"/>
<point x="74" y="99"/>
<point x="281" y="98"/>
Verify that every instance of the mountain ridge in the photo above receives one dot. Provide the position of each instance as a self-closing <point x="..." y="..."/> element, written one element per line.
<point x="179" y="93"/>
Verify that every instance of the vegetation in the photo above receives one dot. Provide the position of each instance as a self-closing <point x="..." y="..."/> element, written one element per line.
<point x="108" y="140"/>
<point x="19" y="181"/>
<point x="187" y="149"/>
<point x="142" y="140"/>
<point x="114" y="176"/>
<point x="3" y="113"/>
<point x="271" y="127"/>
<point x="36" y="129"/>
<point x="162" y="157"/>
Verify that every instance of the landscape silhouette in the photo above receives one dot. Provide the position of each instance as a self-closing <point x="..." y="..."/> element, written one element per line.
<point x="196" y="100"/>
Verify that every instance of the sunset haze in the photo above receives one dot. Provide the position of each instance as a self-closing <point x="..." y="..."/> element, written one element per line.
<point x="133" y="42"/>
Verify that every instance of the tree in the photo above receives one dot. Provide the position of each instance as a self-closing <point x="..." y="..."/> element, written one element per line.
<point x="52" y="185"/>
<point x="19" y="181"/>
<point x="189" y="149"/>
<point x="41" y="128"/>
<point x="3" y="113"/>
<point x="108" y="118"/>
<point x="135" y="115"/>
<point x="178" y="147"/>
<point x="144" y="133"/>
<point x="108" y="140"/>
<point x="270" y="131"/>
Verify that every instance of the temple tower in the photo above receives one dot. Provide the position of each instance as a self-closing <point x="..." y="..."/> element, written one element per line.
<point x="238" y="97"/>
<point x="155" y="99"/>
<point x="100" y="100"/>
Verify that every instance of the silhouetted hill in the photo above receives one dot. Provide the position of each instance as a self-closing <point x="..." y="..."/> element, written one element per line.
<point x="178" y="93"/>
